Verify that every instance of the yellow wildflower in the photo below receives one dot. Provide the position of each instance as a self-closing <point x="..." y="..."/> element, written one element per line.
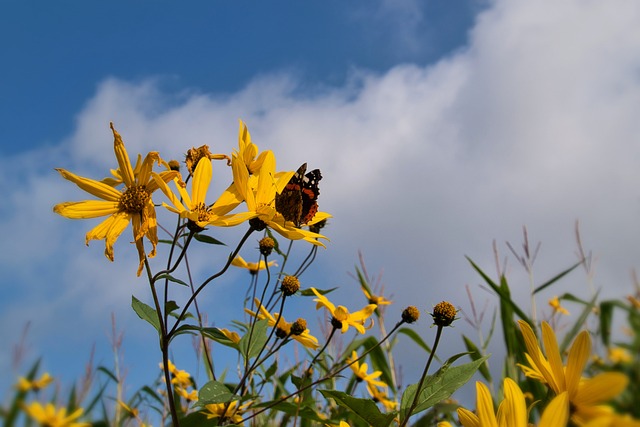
<point x="232" y="412"/>
<point x="584" y="394"/>
<point x="380" y="396"/>
<point x="35" y="385"/>
<point x="49" y="416"/>
<point x="512" y="411"/>
<point x="131" y="205"/>
<point x="283" y="328"/>
<point x="619" y="355"/>
<point x="375" y="299"/>
<point x="341" y="318"/>
<point x="360" y="370"/>
<point x="253" y="267"/>
<point x="557" y="308"/>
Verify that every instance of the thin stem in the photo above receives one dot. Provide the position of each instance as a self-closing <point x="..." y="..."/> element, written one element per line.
<point x="424" y="375"/>
<point x="206" y="282"/>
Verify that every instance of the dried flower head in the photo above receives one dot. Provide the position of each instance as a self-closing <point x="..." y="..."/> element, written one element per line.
<point x="290" y="285"/>
<point x="266" y="245"/>
<point x="410" y="314"/>
<point x="444" y="313"/>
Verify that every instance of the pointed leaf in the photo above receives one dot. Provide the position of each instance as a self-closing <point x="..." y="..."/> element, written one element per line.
<point x="207" y="239"/>
<point x="214" y="392"/>
<point x="364" y="408"/>
<point x="254" y="341"/>
<point x="145" y="312"/>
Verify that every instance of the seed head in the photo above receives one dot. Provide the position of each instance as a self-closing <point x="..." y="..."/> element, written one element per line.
<point x="290" y="285"/>
<point x="266" y="245"/>
<point x="174" y="165"/>
<point x="444" y="313"/>
<point x="410" y="314"/>
<point x="298" y="327"/>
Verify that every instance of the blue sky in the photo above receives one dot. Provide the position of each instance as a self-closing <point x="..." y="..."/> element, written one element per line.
<point x="439" y="128"/>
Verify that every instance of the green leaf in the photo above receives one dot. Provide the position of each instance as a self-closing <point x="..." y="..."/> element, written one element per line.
<point x="145" y="312"/>
<point x="439" y="386"/>
<point x="557" y="277"/>
<point x="364" y="408"/>
<point x="214" y="392"/>
<point x="171" y="279"/>
<point x="475" y="354"/>
<point x="309" y="292"/>
<point x="207" y="239"/>
<point x="606" y="317"/>
<point x="254" y="341"/>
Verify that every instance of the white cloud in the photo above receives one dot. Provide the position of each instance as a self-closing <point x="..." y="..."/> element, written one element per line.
<point x="534" y="123"/>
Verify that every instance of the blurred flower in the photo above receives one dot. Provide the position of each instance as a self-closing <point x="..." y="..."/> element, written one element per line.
<point x="512" y="411"/>
<point x="379" y="395"/>
<point x="131" y="412"/>
<point x="231" y="335"/>
<point x="360" y="370"/>
<point x="253" y="267"/>
<point x="49" y="416"/>
<point x="131" y="205"/>
<point x="232" y="412"/>
<point x="619" y="355"/>
<point x="557" y="308"/>
<point x="35" y="385"/>
<point x="194" y="155"/>
<point x="342" y="318"/>
<point x="584" y="394"/>
<point x="283" y="327"/>
<point x="375" y="299"/>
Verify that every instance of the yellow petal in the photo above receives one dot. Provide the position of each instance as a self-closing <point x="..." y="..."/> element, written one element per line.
<point x="109" y="229"/>
<point x="126" y="171"/>
<point x="266" y="190"/>
<point x="579" y="353"/>
<point x="86" y="209"/>
<point x="468" y="418"/>
<point x="227" y="201"/>
<point x="553" y="356"/>
<point x="601" y="388"/>
<point x="91" y="186"/>
<point x="144" y="176"/>
<point x="484" y="406"/>
<point x="201" y="179"/>
<point x="533" y="349"/>
<point x="557" y="412"/>
<point x="516" y="410"/>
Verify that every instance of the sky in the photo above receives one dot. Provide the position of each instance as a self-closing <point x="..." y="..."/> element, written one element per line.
<point x="439" y="128"/>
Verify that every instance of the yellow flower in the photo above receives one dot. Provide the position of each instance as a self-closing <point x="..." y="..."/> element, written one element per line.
<point x="557" y="308"/>
<point x="375" y="299"/>
<point x="49" y="416"/>
<point x="253" y="267"/>
<point x="342" y="316"/>
<point x="284" y="327"/>
<point x="259" y="192"/>
<point x="360" y="369"/>
<point x="232" y="413"/>
<point x="619" y="355"/>
<point x="512" y="411"/>
<point x="26" y="385"/>
<point x="131" y="412"/>
<point x="231" y="335"/>
<point x="131" y="205"/>
<point x="584" y="394"/>
<point x="196" y="209"/>
<point x="381" y="396"/>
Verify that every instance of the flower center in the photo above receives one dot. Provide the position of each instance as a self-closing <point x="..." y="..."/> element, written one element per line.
<point x="134" y="199"/>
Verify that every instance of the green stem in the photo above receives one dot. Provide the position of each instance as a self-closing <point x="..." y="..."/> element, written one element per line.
<point x="424" y="375"/>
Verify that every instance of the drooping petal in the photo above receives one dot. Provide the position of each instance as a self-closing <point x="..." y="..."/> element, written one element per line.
<point x="165" y="176"/>
<point x="144" y="176"/>
<point x="109" y="229"/>
<point x="126" y="171"/>
<point x="557" y="412"/>
<point x="554" y="358"/>
<point x="579" y="353"/>
<point x="322" y="301"/>
<point x="228" y="201"/>
<point x="86" y="209"/>
<point x="91" y="186"/>
<point x="601" y="388"/>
